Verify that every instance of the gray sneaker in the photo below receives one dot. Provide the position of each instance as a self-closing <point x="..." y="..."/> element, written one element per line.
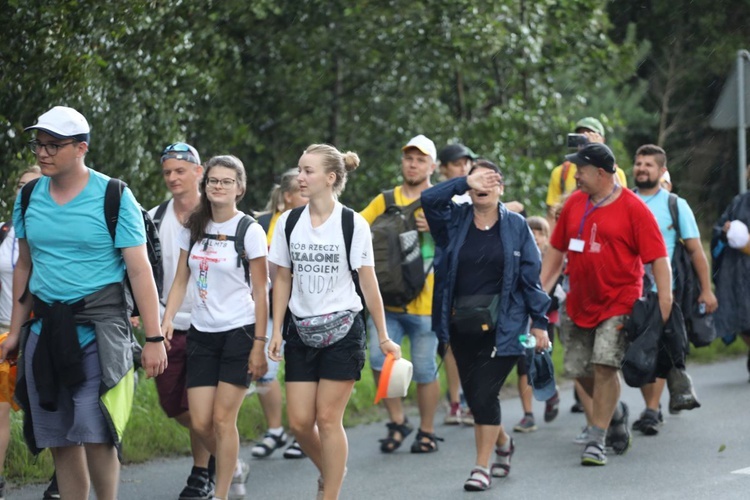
<point x="526" y="424"/>
<point x="583" y="437"/>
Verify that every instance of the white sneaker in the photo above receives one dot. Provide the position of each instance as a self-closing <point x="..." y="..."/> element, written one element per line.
<point x="241" y="472"/>
<point x="239" y="478"/>
<point x="583" y="437"/>
<point x="236" y="491"/>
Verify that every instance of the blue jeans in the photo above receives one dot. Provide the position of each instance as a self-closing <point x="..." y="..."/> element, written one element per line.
<point x="423" y="341"/>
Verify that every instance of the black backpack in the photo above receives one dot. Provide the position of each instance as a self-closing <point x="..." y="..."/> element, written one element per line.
<point x="112" y="197"/>
<point x="397" y="252"/>
<point x="699" y="326"/>
<point x="239" y="243"/>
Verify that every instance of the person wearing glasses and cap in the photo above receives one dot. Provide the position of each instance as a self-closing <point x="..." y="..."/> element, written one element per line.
<point x="77" y="408"/>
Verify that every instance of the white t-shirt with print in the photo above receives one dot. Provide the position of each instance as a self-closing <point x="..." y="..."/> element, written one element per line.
<point x="169" y="232"/>
<point x="8" y="258"/>
<point x="322" y="281"/>
<point x="222" y="298"/>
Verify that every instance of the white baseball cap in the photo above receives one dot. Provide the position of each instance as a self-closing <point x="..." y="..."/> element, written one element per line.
<point x="423" y="144"/>
<point x="63" y="122"/>
<point x="738" y="235"/>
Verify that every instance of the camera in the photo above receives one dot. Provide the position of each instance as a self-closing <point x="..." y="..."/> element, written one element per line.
<point x="576" y="141"/>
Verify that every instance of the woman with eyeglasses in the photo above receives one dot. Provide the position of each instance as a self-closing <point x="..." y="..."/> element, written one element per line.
<point x="321" y="244"/>
<point x="222" y="264"/>
<point x="8" y="258"/>
<point x="491" y="287"/>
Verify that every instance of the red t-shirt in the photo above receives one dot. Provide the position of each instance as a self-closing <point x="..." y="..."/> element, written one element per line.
<point x="606" y="278"/>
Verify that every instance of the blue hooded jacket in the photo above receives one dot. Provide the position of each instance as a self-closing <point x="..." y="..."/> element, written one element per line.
<point x="522" y="295"/>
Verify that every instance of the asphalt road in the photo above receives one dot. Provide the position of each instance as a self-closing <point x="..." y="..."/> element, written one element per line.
<point x="704" y="453"/>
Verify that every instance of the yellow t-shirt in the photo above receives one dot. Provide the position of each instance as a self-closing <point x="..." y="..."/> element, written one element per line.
<point x="422" y="305"/>
<point x="555" y="192"/>
<point x="272" y="226"/>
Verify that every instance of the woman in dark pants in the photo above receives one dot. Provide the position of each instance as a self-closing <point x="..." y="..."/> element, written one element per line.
<point x="490" y="284"/>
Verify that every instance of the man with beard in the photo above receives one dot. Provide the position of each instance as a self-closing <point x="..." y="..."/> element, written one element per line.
<point x="414" y="320"/>
<point x="649" y="169"/>
<point x="608" y="234"/>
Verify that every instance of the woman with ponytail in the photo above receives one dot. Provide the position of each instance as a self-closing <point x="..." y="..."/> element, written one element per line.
<point x="325" y="338"/>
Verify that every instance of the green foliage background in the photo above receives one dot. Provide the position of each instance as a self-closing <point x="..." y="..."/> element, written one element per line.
<point x="263" y="79"/>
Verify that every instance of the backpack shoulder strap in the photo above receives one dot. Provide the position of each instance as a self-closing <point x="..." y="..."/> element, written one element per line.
<point x="265" y="221"/>
<point x="26" y="191"/>
<point x="674" y="211"/>
<point x="112" y="197"/>
<point x="390" y="198"/>
<point x="347" y="224"/>
<point x="159" y="214"/>
<point x="239" y="243"/>
<point x="291" y="221"/>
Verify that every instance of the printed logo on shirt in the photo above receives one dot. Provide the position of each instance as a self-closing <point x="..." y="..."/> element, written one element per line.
<point x="594" y="246"/>
<point x="209" y="255"/>
<point x="316" y="267"/>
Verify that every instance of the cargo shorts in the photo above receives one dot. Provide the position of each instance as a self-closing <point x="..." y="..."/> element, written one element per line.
<point x="605" y="344"/>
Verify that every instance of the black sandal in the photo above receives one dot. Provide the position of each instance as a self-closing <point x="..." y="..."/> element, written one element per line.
<point x="428" y="446"/>
<point x="269" y="444"/>
<point x="391" y="444"/>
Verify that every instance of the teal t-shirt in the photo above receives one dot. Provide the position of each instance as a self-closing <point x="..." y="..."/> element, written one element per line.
<point x="659" y="205"/>
<point x="71" y="249"/>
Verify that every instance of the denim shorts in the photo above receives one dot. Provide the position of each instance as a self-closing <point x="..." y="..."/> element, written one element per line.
<point x="79" y="418"/>
<point x="423" y="342"/>
<point x="273" y="366"/>
<point x="604" y="345"/>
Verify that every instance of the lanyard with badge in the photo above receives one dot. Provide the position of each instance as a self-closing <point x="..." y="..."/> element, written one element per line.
<point x="577" y="244"/>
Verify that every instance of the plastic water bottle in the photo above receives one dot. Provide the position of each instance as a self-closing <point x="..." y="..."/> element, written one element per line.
<point x="527" y="340"/>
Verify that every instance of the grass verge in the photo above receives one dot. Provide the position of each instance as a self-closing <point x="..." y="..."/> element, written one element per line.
<point x="150" y="434"/>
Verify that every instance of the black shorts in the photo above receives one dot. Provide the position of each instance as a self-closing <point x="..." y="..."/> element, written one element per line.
<point x="214" y="357"/>
<point x="343" y="360"/>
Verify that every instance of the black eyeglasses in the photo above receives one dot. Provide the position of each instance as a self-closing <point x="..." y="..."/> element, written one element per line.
<point x="52" y="148"/>
<point x="225" y="183"/>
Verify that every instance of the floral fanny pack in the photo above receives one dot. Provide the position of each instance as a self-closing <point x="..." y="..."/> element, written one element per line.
<point x="326" y="329"/>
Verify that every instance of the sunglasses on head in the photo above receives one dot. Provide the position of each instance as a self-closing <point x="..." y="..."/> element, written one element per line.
<point x="179" y="151"/>
<point x="180" y="147"/>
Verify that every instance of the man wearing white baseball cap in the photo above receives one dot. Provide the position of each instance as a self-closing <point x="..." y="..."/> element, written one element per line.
<point x="408" y="314"/>
<point x="76" y="373"/>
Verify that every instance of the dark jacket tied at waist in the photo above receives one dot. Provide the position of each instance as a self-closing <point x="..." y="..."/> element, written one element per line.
<point x="58" y="358"/>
